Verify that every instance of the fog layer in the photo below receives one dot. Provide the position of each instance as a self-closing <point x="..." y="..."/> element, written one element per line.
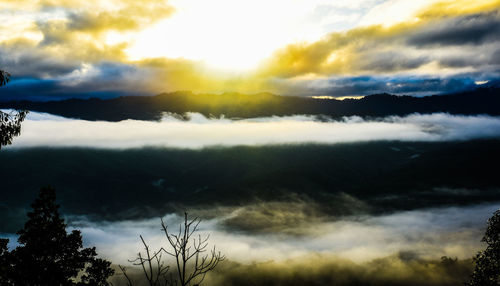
<point x="426" y="234"/>
<point x="199" y="131"/>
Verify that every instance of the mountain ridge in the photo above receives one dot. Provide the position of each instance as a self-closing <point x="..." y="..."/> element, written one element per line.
<point x="236" y="105"/>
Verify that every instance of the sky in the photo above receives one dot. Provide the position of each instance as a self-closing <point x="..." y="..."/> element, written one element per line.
<point x="57" y="49"/>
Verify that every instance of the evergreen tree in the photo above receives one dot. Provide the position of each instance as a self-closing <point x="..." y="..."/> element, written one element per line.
<point x="487" y="262"/>
<point x="48" y="255"/>
<point x="5" y="264"/>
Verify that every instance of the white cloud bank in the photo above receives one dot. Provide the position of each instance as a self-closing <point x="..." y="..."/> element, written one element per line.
<point x="429" y="233"/>
<point x="199" y="132"/>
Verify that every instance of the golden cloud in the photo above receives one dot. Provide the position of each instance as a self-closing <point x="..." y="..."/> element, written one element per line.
<point x="78" y="31"/>
<point x="404" y="268"/>
<point x="452" y="8"/>
<point x="349" y="53"/>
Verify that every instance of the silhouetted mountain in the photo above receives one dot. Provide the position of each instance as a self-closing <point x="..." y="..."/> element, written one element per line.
<point x="235" y="105"/>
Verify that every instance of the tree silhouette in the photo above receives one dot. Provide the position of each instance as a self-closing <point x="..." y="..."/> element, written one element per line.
<point x="47" y="254"/>
<point x="10" y="123"/>
<point x="191" y="262"/>
<point x="153" y="268"/>
<point x="4" y="77"/>
<point x="487" y="262"/>
<point x="5" y="265"/>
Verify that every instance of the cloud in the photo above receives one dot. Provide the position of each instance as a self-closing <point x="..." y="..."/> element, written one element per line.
<point x="199" y="131"/>
<point x="428" y="233"/>
<point x="368" y="85"/>
<point x="132" y="16"/>
<point x="385" y="49"/>
<point x="296" y="216"/>
<point x="103" y="80"/>
<point x="402" y="269"/>
<point x="473" y="29"/>
<point x="392" y="61"/>
<point x="28" y="61"/>
<point x="76" y="32"/>
<point x="327" y="270"/>
<point x="52" y="40"/>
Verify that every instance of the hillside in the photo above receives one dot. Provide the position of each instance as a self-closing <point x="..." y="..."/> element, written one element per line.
<point x="235" y="105"/>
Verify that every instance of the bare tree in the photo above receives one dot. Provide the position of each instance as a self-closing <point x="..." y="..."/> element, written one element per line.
<point x="192" y="257"/>
<point x="192" y="262"/>
<point x="153" y="267"/>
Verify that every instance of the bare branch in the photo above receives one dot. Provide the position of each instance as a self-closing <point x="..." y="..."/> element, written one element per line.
<point x="188" y="252"/>
<point x="123" y="269"/>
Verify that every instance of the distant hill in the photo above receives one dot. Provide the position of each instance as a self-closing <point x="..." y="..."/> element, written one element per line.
<point x="340" y="179"/>
<point x="235" y="105"/>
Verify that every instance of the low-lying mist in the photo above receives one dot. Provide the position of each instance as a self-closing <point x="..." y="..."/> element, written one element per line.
<point x="421" y="247"/>
<point x="426" y="233"/>
<point x="199" y="132"/>
<point x="401" y="269"/>
<point x="403" y="248"/>
<point x="394" y="270"/>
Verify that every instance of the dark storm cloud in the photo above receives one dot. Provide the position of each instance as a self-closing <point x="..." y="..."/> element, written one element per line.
<point x="437" y="85"/>
<point x="495" y="57"/>
<point x="45" y="90"/>
<point x="466" y="30"/>
<point x="367" y="85"/>
<point x="104" y="80"/>
<point x="459" y="61"/>
<point x="28" y="88"/>
<point x="22" y="63"/>
<point x="392" y="61"/>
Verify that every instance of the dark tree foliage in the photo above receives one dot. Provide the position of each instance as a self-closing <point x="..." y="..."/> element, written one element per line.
<point x="5" y="265"/>
<point x="10" y="123"/>
<point x="4" y="77"/>
<point x="97" y="272"/>
<point x="10" y="126"/>
<point x="47" y="254"/>
<point x="487" y="262"/>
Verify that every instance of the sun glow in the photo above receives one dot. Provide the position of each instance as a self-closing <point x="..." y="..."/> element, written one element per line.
<point x="226" y="35"/>
<point x="236" y="36"/>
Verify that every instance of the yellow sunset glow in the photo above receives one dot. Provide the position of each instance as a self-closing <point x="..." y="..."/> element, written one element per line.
<point x="235" y="37"/>
<point x="279" y="46"/>
<point x="238" y="36"/>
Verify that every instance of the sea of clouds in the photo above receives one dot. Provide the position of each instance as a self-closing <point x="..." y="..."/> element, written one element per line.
<point x="426" y="234"/>
<point x="198" y="131"/>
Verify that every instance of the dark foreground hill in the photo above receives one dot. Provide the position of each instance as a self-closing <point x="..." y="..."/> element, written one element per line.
<point x="341" y="179"/>
<point x="234" y="105"/>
